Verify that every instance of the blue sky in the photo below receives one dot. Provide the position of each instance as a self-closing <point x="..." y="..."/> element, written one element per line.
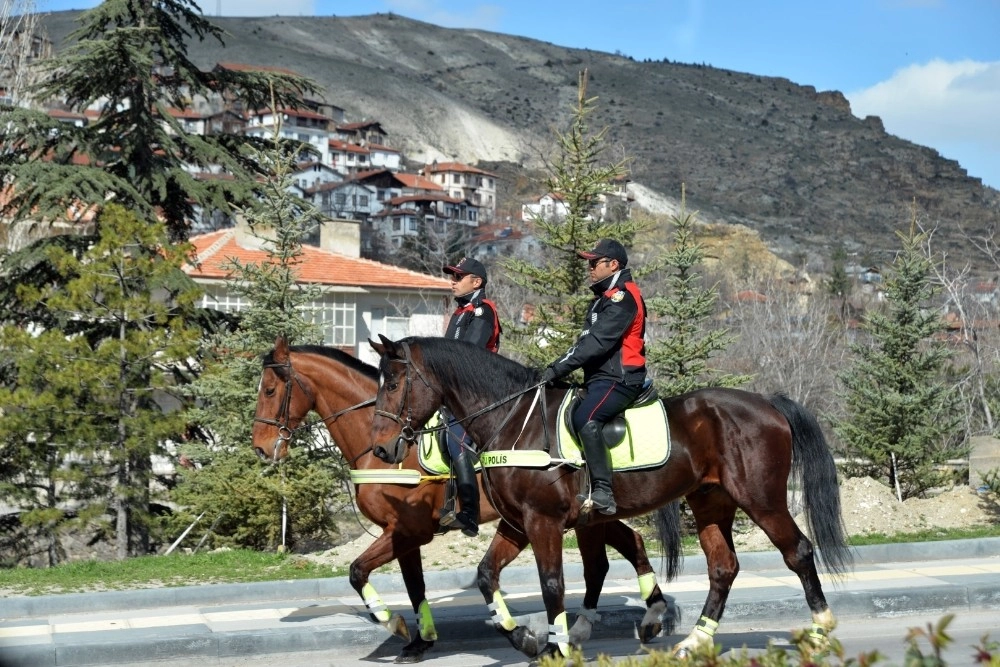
<point x="929" y="68"/>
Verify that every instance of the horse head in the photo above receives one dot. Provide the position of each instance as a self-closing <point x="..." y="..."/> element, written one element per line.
<point x="405" y="398"/>
<point x="282" y="403"/>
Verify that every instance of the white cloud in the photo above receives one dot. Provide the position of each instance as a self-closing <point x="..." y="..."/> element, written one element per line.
<point x="258" y="7"/>
<point x="941" y="104"/>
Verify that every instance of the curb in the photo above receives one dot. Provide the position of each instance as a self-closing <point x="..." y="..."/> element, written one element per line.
<point x="269" y="591"/>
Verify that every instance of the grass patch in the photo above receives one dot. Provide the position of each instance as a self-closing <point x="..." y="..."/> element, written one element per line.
<point x="929" y="535"/>
<point x="236" y="566"/>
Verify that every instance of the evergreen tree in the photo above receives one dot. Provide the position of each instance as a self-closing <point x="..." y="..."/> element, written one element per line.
<point x="244" y="498"/>
<point x="902" y="419"/>
<point x="839" y="285"/>
<point x="683" y="345"/>
<point x="131" y="57"/>
<point x="558" y="280"/>
<point x="85" y="409"/>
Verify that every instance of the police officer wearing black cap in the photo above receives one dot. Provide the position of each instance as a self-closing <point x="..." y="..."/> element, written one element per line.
<point x="611" y="350"/>
<point x="474" y="321"/>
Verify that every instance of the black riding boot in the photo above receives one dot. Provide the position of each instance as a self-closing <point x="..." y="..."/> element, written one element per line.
<point x="467" y="517"/>
<point x="599" y="464"/>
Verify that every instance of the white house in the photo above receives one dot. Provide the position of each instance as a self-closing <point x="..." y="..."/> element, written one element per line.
<point x="461" y="181"/>
<point x="308" y="127"/>
<point x="361" y="298"/>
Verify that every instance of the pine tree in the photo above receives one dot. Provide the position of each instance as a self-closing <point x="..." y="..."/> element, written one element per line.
<point x="684" y="345"/>
<point x="131" y="57"/>
<point x="85" y="408"/>
<point x="902" y="419"/>
<point x="242" y="497"/>
<point x="558" y="280"/>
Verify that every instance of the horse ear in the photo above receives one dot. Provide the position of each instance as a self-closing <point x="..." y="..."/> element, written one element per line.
<point x="280" y="348"/>
<point x="378" y="347"/>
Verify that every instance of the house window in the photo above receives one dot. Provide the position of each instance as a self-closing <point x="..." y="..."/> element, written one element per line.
<point x="340" y="199"/>
<point x="363" y="201"/>
<point x="412" y="225"/>
<point x="217" y="298"/>
<point x="334" y="314"/>
<point x="456" y="178"/>
<point x="396" y="225"/>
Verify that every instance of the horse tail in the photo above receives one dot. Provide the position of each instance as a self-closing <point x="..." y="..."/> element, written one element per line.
<point x="813" y="466"/>
<point x="668" y="527"/>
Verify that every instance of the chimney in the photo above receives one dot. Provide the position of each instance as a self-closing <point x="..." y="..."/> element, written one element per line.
<point x="341" y="236"/>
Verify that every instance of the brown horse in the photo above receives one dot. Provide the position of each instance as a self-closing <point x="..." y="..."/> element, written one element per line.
<point x="729" y="449"/>
<point x="341" y="389"/>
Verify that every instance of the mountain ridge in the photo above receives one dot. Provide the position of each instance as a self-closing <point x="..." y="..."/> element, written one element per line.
<point x="782" y="158"/>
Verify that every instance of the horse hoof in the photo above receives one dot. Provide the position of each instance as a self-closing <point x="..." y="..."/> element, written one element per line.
<point x="413" y="652"/>
<point x="649" y="632"/>
<point x="524" y="640"/>
<point x="397" y="626"/>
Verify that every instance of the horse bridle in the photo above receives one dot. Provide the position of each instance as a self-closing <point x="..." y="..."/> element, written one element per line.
<point x="409" y="435"/>
<point x="285" y="432"/>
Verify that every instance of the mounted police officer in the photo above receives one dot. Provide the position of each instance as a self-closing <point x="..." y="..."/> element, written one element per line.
<point x="612" y="352"/>
<point x="474" y="321"/>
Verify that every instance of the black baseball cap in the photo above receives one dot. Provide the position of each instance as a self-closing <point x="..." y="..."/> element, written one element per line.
<point x="466" y="266"/>
<point x="607" y="248"/>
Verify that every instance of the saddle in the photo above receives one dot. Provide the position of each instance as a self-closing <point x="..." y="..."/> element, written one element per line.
<point x="614" y="431"/>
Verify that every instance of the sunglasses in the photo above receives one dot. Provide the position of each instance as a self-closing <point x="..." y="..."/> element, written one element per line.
<point x="593" y="263"/>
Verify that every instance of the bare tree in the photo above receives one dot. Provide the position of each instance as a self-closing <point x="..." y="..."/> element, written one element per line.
<point x="19" y="35"/>
<point x="787" y="340"/>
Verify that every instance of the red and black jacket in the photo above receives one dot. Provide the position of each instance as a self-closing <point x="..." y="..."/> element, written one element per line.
<point x="475" y="321"/>
<point x="612" y="345"/>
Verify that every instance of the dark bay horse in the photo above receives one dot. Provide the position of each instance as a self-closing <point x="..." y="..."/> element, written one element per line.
<point x="341" y="389"/>
<point x="730" y="450"/>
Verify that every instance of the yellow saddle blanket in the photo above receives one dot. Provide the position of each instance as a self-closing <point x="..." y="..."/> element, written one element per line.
<point x="646" y="441"/>
<point x="431" y="453"/>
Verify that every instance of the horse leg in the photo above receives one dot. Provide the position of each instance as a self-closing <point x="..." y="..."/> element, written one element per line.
<point x="797" y="551"/>
<point x="413" y="578"/>
<point x="545" y="535"/>
<point x="506" y="545"/>
<point x="378" y="553"/>
<point x="714" y="511"/>
<point x="630" y="545"/>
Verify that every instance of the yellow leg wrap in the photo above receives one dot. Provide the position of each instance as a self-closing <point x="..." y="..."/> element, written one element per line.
<point x="501" y="616"/>
<point x="374" y="603"/>
<point x="706" y="626"/>
<point x="425" y="622"/>
<point x="647" y="583"/>
<point x="818" y="633"/>
<point x="559" y="634"/>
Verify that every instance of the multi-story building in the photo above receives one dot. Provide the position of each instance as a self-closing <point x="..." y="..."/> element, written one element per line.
<point x="472" y="184"/>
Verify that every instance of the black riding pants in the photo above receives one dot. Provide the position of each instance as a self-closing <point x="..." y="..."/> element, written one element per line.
<point x="604" y="400"/>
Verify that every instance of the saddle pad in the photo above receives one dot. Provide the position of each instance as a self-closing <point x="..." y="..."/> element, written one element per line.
<point x="431" y="450"/>
<point x="646" y="443"/>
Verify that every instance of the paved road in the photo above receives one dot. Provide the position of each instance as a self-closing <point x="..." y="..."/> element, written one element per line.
<point x="221" y="623"/>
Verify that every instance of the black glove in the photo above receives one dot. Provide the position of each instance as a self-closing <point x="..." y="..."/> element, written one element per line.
<point x="548" y="375"/>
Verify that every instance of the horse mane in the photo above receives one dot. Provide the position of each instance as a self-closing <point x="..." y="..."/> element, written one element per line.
<point x="474" y="369"/>
<point x="339" y="356"/>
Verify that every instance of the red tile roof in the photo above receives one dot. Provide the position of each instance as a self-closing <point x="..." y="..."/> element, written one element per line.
<point x="347" y="147"/>
<point x="321" y="267"/>
<point x="418" y="182"/>
<point x="297" y="113"/>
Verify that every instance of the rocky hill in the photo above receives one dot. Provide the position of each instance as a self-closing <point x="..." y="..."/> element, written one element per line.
<point x="782" y="158"/>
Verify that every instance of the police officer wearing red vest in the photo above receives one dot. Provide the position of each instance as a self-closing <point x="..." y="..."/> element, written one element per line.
<point x="474" y="321"/>
<point x="612" y="353"/>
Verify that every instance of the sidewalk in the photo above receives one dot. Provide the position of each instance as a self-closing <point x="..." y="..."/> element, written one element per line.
<point x="231" y="620"/>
